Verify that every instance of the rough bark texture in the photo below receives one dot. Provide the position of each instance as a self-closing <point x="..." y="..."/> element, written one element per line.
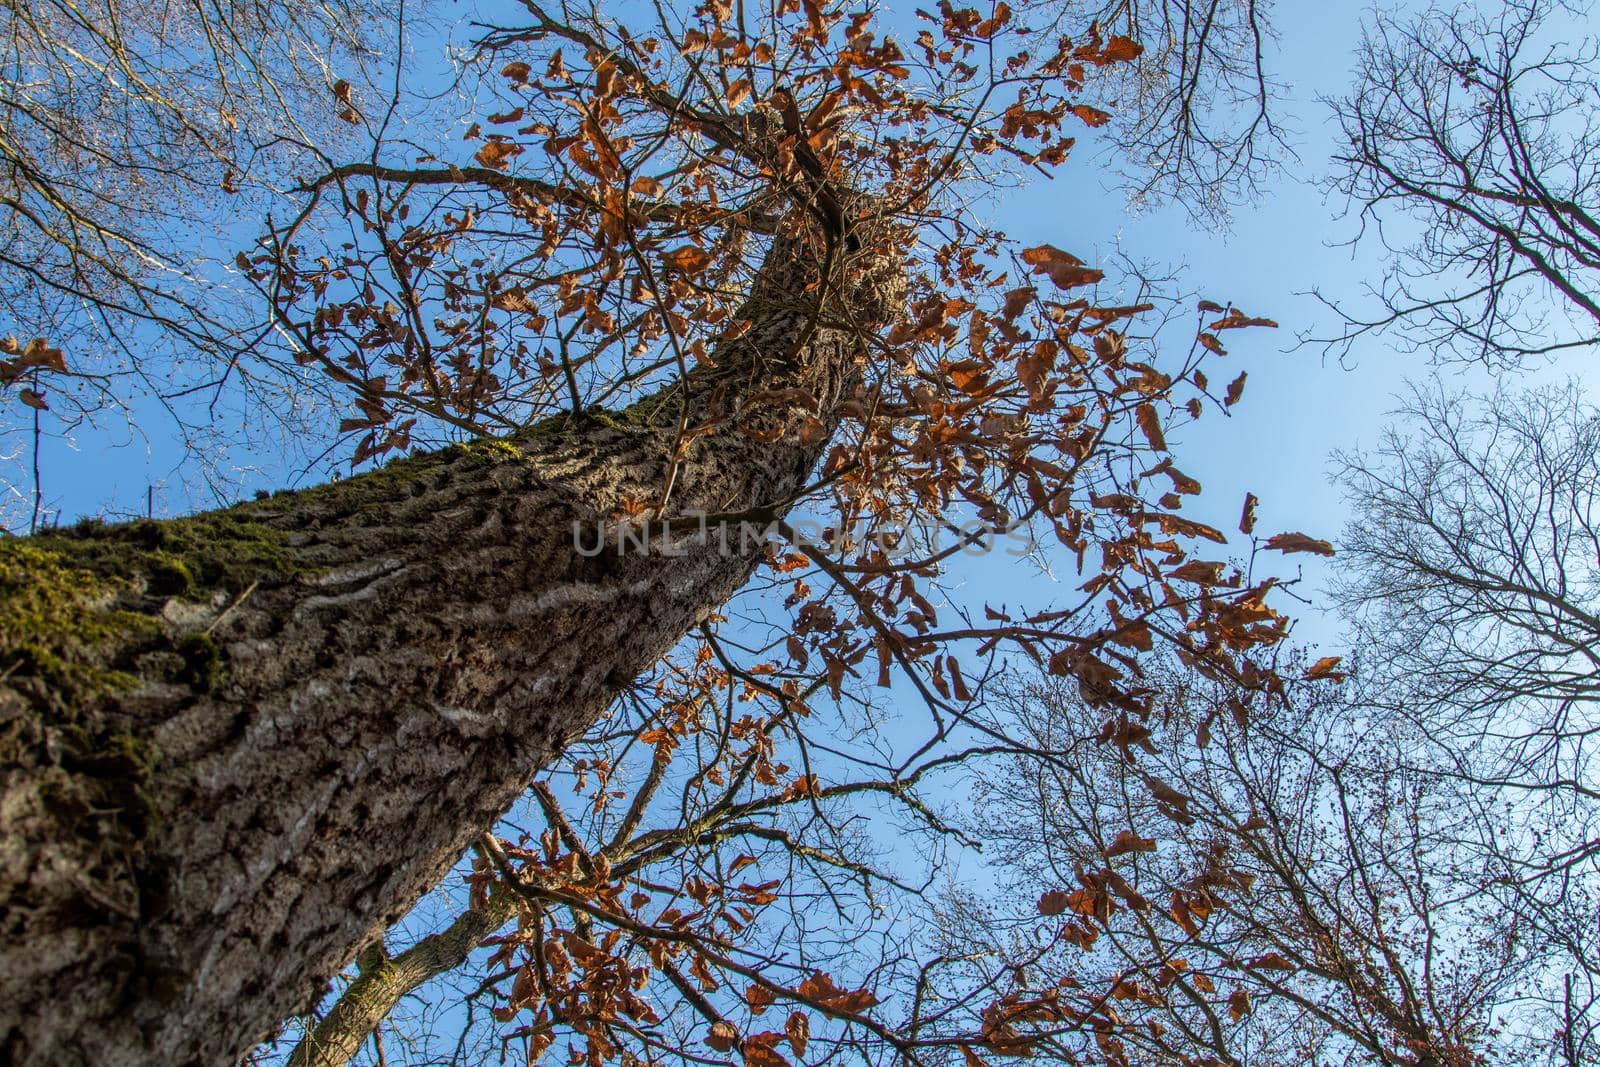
<point x="237" y="745"/>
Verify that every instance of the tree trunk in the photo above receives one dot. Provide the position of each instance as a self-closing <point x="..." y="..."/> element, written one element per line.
<point x="238" y="744"/>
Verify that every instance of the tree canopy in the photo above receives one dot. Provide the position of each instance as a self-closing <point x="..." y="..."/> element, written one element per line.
<point x="687" y="396"/>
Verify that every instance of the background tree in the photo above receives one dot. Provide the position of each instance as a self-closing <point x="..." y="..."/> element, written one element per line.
<point x="1196" y="118"/>
<point x="1471" y="155"/>
<point x="734" y="270"/>
<point x="132" y="137"/>
<point x="1397" y="869"/>
<point x="1472" y="582"/>
<point x="1304" y="892"/>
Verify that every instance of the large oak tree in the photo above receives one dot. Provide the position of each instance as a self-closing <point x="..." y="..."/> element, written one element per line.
<point x="696" y="271"/>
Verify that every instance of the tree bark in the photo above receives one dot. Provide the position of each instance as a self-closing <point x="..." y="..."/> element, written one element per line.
<point x="237" y="745"/>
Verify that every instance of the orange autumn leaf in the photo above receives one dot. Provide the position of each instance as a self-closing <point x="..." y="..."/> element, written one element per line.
<point x="1063" y="268"/>
<point x="37" y="354"/>
<point x="968" y="376"/>
<point x="1018" y="301"/>
<point x="1122" y="50"/>
<point x="1272" y="961"/>
<point x="1092" y="117"/>
<point x="1150" y="424"/>
<point x="1177" y="524"/>
<point x="1299" y="542"/>
<point x="496" y="155"/>
<point x="1128" y="841"/>
<point x="1238" y="320"/>
<point x="1199" y="572"/>
<point x="1085" y="901"/>
<point x="821" y="989"/>
<point x="1134" y="635"/>
<point x="803" y="786"/>
<point x="759" y="997"/>
<point x="690" y="259"/>
<point x="760" y="1050"/>
<point x="1324" y="668"/>
<point x="1235" y="390"/>
<point x="722" y="1036"/>
<point x="798" y="1029"/>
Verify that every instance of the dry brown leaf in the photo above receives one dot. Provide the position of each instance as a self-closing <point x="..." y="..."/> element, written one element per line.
<point x="722" y="1036"/>
<point x="690" y="259"/>
<point x="1150" y="423"/>
<point x="1235" y="390"/>
<point x="798" y="1029"/>
<point x="1324" y="668"/>
<point x="1063" y="268"/>
<point x="1128" y="841"/>
<point x="1247" y="518"/>
<point x="496" y="155"/>
<point x="1299" y="542"/>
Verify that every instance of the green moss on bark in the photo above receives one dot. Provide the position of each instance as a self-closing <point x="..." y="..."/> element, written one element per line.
<point x="494" y="448"/>
<point x="349" y="495"/>
<point x="224" y="550"/>
<point x="204" y="666"/>
<point x="59" y="623"/>
<point x="67" y="641"/>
